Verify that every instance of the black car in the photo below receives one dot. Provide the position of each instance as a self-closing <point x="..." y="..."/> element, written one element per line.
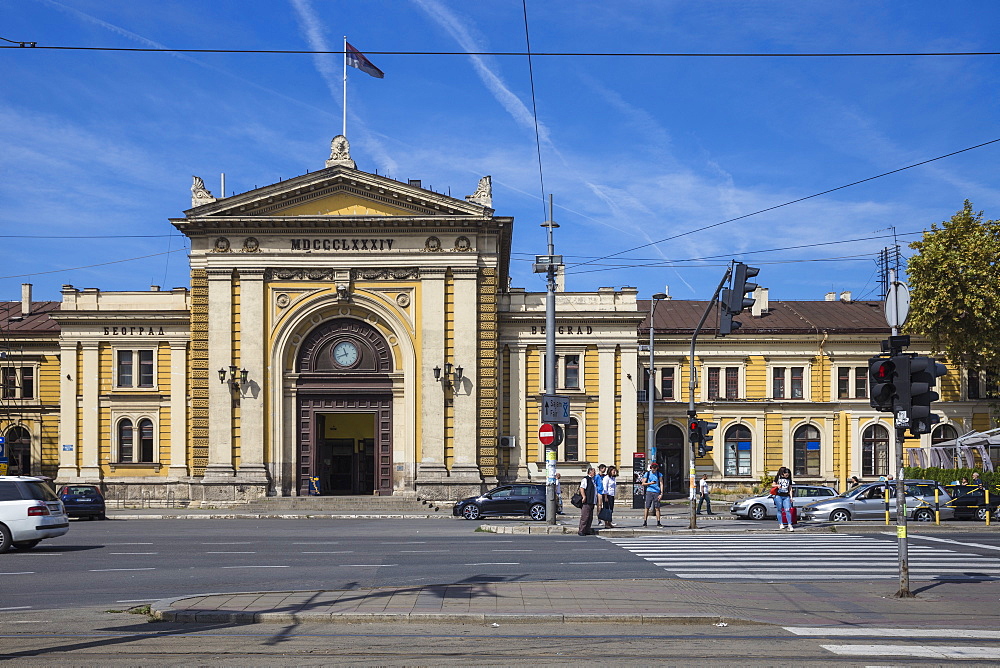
<point x="83" y="501"/>
<point x="969" y="502"/>
<point x="517" y="499"/>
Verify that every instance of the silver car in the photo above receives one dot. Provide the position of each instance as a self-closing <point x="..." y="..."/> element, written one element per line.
<point x="867" y="502"/>
<point x="762" y="507"/>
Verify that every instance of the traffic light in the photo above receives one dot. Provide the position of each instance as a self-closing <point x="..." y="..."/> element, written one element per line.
<point x="726" y="323"/>
<point x="881" y="383"/>
<point x="923" y="375"/>
<point x="737" y="299"/>
<point x="701" y="434"/>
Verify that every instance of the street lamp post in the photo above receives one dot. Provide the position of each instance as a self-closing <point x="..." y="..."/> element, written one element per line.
<point x="650" y="435"/>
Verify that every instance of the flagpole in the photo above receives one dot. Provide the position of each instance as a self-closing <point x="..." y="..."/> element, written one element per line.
<point x="345" y="87"/>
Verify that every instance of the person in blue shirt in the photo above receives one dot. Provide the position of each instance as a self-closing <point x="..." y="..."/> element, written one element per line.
<point x="652" y="482"/>
<point x="599" y="482"/>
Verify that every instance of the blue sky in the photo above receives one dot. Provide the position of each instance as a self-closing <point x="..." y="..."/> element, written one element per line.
<point x="634" y="150"/>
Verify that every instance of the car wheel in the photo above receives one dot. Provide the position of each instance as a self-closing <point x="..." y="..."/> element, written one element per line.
<point x="471" y="512"/>
<point x="923" y="515"/>
<point x="757" y="512"/>
<point x="840" y="516"/>
<point x="537" y="512"/>
<point x="5" y="540"/>
<point x="26" y="544"/>
<point x="102" y="517"/>
<point x="981" y="514"/>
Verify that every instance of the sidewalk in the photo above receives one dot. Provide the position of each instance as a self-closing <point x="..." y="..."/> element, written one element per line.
<point x="654" y="601"/>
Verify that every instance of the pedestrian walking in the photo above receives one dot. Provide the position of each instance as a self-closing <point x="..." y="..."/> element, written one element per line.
<point x="610" y="490"/>
<point x="652" y="482"/>
<point x="588" y="490"/>
<point x="703" y="496"/>
<point x="599" y="481"/>
<point x="855" y="481"/>
<point x="782" y="491"/>
<point x="559" y="510"/>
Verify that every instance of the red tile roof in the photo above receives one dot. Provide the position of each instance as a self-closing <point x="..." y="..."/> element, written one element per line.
<point x="677" y="316"/>
<point x="36" y="322"/>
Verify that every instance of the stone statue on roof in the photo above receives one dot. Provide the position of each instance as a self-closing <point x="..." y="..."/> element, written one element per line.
<point x="484" y="193"/>
<point x="340" y="153"/>
<point x="199" y="193"/>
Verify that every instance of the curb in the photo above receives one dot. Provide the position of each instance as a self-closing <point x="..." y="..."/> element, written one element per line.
<point x="274" y="516"/>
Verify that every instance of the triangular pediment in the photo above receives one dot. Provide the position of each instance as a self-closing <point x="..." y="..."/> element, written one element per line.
<point x="339" y="191"/>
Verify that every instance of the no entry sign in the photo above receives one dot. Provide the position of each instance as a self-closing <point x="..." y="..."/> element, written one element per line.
<point x="550" y="435"/>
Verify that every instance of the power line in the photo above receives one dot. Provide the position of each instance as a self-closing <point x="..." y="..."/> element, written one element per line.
<point x="796" y="201"/>
<point x="90" y="266"/>
<point x="534" y="106"/>
<point x="570" y="54"/>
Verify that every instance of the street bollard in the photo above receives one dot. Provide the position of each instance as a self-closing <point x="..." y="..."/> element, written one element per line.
<point x="988" y="513"/>
<point x="887" y="505"/>
<point x="937" y="506"/>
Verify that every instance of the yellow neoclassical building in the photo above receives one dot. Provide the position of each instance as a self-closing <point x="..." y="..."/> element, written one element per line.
<point x="345" y="333"/>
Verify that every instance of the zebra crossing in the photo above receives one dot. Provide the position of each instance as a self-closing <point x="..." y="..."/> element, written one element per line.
<point x="783" y="557"/>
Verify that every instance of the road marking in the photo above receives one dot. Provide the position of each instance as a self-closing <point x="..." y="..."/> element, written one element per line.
<point x="956" y="542"/>
<point x="423" y="551"/>
<point x="365" y="565"/>
<point x="19" y="607"/>
<point x="111" y="570"/>
<point x="331" y="552"/>
<point x="900" y="633"/>
<point x="410" y="542"/>
<point x="496" y="563"/>
<point x="322" y="542"/>
<point x="230" y="552"/>
<point x="18" y="573"/>
<point x="133" y="543"/>
<point x="246" y="542"/>
<point x="256" y="567"/>
<point x="587" y="563"/>
<point x="508" y="550"/>
<point x="127" y="553"/>
<point x="926" y="651"/>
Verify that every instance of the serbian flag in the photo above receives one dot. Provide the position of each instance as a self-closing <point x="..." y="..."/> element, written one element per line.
<point x="357" y="59"/>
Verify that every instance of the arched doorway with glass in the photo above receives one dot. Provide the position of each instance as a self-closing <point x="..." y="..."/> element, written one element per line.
<point x="806" y="451"/>
<point x="875" y="451"/>
<point x="18" y="441"/>
<point x="738" y="451"/>
<point x="670" y="457"/>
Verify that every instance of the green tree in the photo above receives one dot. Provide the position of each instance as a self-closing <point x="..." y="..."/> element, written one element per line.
<point x="954" y="284"/>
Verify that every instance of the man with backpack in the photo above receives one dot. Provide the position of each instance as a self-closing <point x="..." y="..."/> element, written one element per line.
<point x="652" y="482"/>
<point x="588" y="490"/>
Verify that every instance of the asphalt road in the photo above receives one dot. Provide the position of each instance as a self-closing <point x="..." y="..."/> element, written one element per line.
<point x="115" y="564"/>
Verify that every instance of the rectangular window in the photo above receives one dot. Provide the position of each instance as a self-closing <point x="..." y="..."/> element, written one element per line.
<point x="860" y="382"/>
<point x="843" y="382"/>
<point x="145" y="441"/>
<point x="17" y="382"/>
<point x="135" y="368"/>
<point x="974" y="392"/>
<point x="571" y="449"/>
<point x="667" y="383"/>
<point x="778" y="382"/>
<point x="796" y="384"/>
<point x="571" y="372"/>
<point x="806" y="458"/>
<point x="713" y="383"/>
<point x="125" y="442"/>
<point x="738" y="458"/>
<point x="124" y="368"/>
<point x="732" y="382"/>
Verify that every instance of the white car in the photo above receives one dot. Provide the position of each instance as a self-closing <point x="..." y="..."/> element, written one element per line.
<point x="762" y="507"/>
<point x="29" y="512"/>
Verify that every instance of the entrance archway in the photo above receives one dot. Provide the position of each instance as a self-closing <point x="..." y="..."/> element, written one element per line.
<point x="670" y="457"/>
<point x="344" y="417"/>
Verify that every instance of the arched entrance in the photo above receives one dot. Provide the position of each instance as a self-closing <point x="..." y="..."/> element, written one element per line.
<point x="670" y="456"/>
<point x="344" y="417"/>
<point x="18" y="442"/>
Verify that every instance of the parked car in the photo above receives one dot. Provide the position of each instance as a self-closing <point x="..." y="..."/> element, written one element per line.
<point x="83" y="501"/>
<point x="761" y="507"/>
<point x="867" y="502"/>
<point x="29" y="512"/>
<point x="518" y="499"/>
<point x="969" y="502"/>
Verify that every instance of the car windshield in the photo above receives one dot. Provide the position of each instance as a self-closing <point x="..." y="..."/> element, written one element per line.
<point x="39" y="490"/>
<point x="854" y="492"/>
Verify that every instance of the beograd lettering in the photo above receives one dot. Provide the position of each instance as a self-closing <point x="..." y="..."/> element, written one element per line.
<point x="342" y="244"/>
<point x="134" y="331"/>
<point x="566" y="329"/>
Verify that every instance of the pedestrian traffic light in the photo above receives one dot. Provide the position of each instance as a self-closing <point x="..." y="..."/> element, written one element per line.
<point x="923" y="375"/>
<point x="881" y="383"/>
<point x="738" y="299"/>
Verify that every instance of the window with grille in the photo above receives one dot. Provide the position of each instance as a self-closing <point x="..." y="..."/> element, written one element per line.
<point x="713" y="383"/>
<point x="732" y="382"/>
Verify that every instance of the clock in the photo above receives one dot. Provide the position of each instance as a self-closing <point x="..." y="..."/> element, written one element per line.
<point x="345" y="353"/>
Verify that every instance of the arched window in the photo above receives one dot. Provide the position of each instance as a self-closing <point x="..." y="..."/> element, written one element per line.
<point x="942" y="433"/>
<point x="805" y="451"/>
<point x="571" y="444"/>
<point x="738" y="450"/>
<point x="875" y="451"/>
<point x="146" y="440"/>
<point x="18" y="442"/>
<point x="126" y="444"/>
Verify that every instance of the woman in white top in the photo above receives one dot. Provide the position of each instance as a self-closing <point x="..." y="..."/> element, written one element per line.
<point x="610" y="489"/>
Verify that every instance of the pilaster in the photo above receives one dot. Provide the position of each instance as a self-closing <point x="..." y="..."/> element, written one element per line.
<point x="68" y="459"/>
<point x="90" y="437"/>
<point x="178" y="410"/>
<point x="252" y="336"/>
<point x="220" y="356"/>
<point x="465" y="466"/>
